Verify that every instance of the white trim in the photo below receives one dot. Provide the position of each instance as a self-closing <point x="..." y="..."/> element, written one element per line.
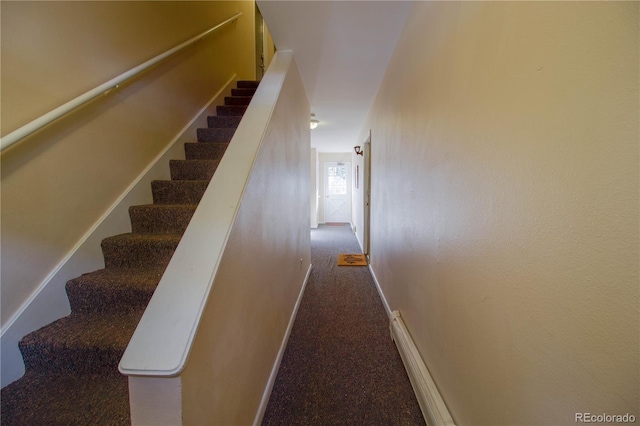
<point x="165" y="334"/>
<point x="86" y="254"/>
<point x="433" y="408"/>
<point x="156" y="400"/>
<point x="276" y="365"/>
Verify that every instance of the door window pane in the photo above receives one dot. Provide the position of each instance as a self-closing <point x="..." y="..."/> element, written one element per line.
<point x="337" y="180"/>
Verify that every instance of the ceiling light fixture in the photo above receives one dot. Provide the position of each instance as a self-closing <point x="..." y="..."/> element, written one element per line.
<point x="314" y="123"/>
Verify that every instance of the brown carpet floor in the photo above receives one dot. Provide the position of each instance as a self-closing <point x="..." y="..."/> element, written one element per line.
<point x="340" y="366"/>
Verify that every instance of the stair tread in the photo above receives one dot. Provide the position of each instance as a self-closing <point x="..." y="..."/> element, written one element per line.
<point x="231" y="110"/>
<point x="129" y="277"/>
<point x="197" y="161"/>
<point x="233" y="107"/>
<point x="243" y="92"/>
<point x="139" y="250"/>
<point x="178" y="191"/>
<point x="209" y="143"/>
<point x="158" y="238"/>
<point x="205" y="150"/>
<point x="166" y="206"/>
<point x="224" y="121"/>
<point x="71" y="364"/>
<point x="193" y="169"/>
<point x="215" y="134"/>
<point x="82" y="330"/>
<point x="181" y="182"/>
<point x="237" y="100"/>
<point x="113" y="289"/>
<point x="161" y="218"/>
<point x="247" y="84"/>
<point x="77" y="399"/>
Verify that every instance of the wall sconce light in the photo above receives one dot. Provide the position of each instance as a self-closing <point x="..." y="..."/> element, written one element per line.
<point x="358" y="150"/>
<point x="314" y="123"/>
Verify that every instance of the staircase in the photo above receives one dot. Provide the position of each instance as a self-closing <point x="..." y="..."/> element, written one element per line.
<point x="71" y="364"/>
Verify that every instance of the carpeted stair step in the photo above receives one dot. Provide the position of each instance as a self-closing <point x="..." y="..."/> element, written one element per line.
<point x="230" y="110"/>
<point x="247" y="84"/>
<point x="80" y="343"/>
<point x="178" y="191"/>
<point x="193" y="169"/>
<point x="205" y="151"/>
<point x="217" y="134"/>
<point x="139" y="250"/>
<point x="237" y="100"/>
<point x="71" y="364"/>
<point x="243" y="92"/>
<point x="113" y="290"/>
<point x="66" y="399"/>
<point x="161" y="218"/>
<point x="214" y="121"/>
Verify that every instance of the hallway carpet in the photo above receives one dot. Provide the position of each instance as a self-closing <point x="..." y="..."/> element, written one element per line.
<point x="340" y="365"/>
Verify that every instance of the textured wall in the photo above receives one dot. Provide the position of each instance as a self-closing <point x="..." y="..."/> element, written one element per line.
<point x="56" y="184"/>
<point x="505" y="205"/>
<point x="260" y="276"/>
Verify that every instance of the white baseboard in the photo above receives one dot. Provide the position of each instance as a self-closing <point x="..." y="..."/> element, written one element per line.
<point x="276" y="365"/>
<point x="433" y="408"/>
<point x="49" y="301"/>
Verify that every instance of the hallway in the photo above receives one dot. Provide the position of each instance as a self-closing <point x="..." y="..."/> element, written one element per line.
<point x="340" y="365"/>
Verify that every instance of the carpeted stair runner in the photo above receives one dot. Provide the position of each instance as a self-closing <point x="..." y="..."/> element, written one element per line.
<point x="72" y="373"/>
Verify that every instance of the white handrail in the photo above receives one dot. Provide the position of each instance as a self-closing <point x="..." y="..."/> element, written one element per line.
<point x="164" y="337"/>
<point x="38" y="123"/>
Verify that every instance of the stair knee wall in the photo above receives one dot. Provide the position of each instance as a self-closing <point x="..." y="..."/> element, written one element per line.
<point x="49" y="302"/>
<point x="245" y="256"/>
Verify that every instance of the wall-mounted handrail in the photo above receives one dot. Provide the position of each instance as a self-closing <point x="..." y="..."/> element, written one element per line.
<point x="38" y="123"/>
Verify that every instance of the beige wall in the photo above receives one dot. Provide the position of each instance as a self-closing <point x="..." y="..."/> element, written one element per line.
<point x="260" y="277"/>
<point x="56" y="184"/>
<point x="505" y="205"/>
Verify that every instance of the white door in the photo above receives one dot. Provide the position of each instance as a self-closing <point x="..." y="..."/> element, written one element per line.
<point x="366" y="190"/>
<point x="337" y="192"/>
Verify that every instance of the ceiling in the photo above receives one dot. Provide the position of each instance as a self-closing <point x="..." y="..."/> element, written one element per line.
<point x="342" y="49"/>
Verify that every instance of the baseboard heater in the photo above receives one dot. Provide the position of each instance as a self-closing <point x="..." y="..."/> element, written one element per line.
<point x="433" y="408"/>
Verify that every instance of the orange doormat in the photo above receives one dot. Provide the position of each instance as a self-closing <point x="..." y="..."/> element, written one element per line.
<point x="352" y="260"/>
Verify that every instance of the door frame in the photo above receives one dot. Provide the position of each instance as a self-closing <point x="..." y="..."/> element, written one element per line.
<point x="325" y="180"/>
<point x="259" y="44"/>
<point x="366" y="194"/>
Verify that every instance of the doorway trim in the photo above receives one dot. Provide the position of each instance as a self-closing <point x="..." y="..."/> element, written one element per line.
<point x="366" y="194"/>
<point x="347" y="195"/>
